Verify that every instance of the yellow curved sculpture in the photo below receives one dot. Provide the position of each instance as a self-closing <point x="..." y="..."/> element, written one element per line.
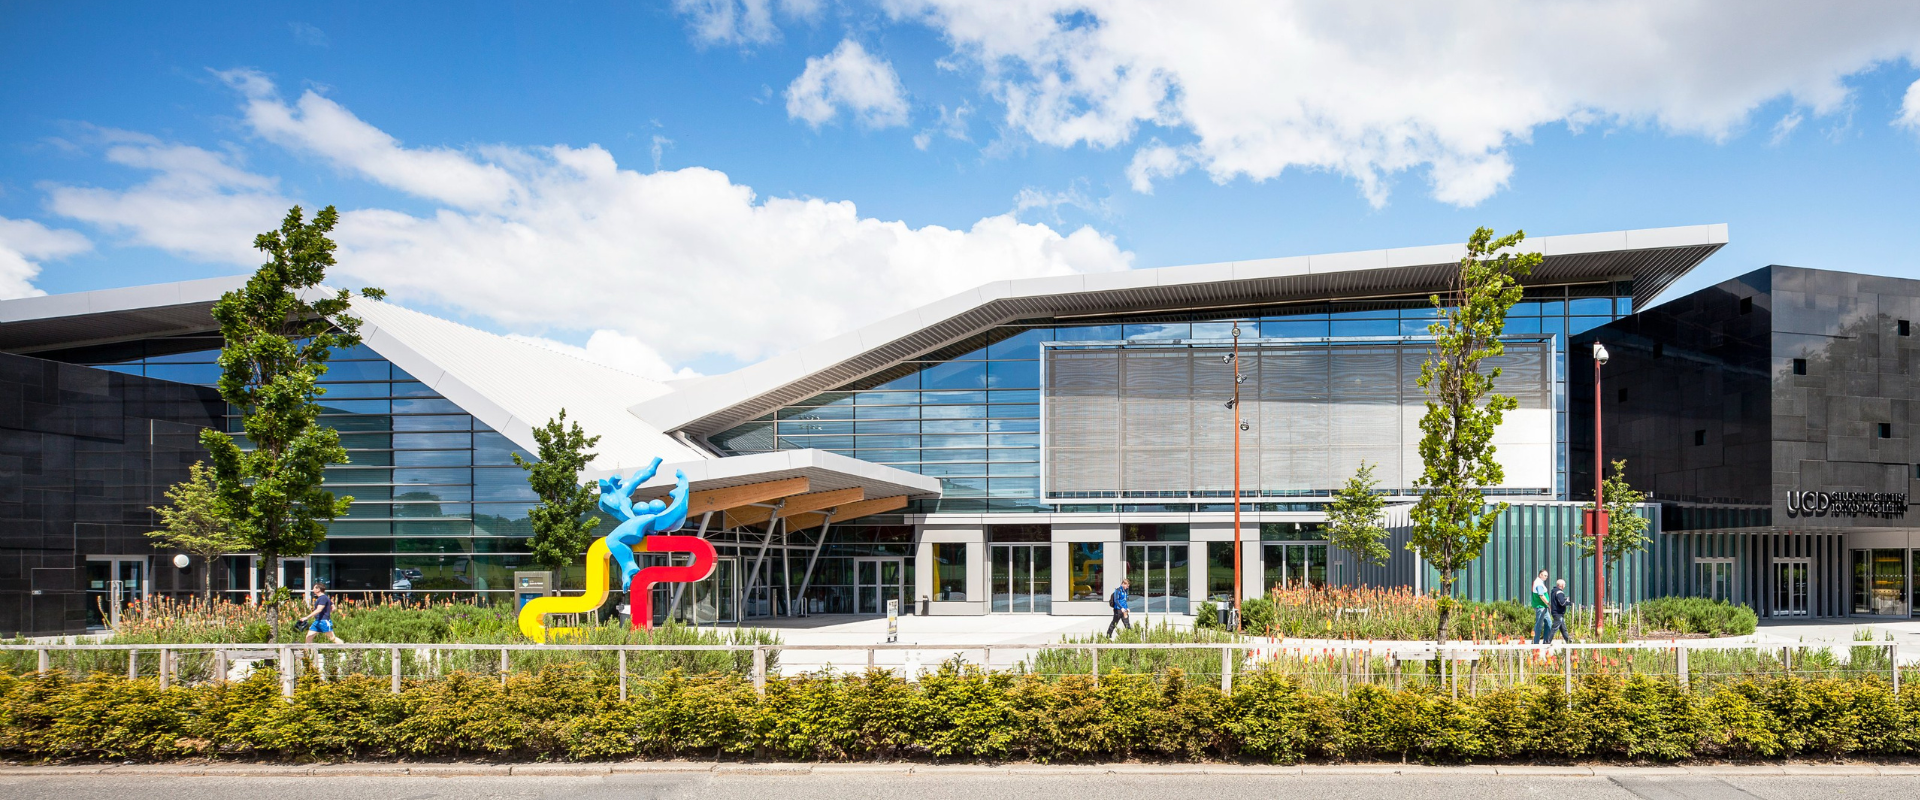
<point x="533" y="616"/>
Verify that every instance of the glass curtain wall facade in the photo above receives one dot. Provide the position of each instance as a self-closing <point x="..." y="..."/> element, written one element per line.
<point x="439" y="508"/>
<point x="969" y="414"/>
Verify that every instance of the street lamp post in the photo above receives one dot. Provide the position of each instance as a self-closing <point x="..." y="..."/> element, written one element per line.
<point x="1597" y="518"/>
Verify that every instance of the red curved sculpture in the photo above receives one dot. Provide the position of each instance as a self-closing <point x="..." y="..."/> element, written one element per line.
<point x="640" y="590"/>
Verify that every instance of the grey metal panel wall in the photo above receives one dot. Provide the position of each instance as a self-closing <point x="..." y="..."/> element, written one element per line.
<point x="1152" y="420"/>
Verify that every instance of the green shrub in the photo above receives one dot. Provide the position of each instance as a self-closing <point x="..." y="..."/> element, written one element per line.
<point x="1696" y="615"/>
<point x="959" y="712"/>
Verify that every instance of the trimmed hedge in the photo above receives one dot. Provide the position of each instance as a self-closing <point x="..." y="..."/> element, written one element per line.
<point x="954" y="714"/>
<point x="1697" y="615"/>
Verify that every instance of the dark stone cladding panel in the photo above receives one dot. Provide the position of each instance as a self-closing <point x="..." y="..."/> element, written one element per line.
<point x="83" y="454"/>
<point x="1718" y="367"/>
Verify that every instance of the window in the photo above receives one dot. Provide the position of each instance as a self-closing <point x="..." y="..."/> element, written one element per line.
<point x="1799" y="366"/>
<point x="1220" y="572"/>
<point x="1087" y="559"/>
<point x="1019" y="533"/>
<point x="1154" y="532"/>
<point x="1746" y="305"/>
<point x="1623" y="395"/>
<point x="950" y="571"/>
<point x="1905" y="328"/>
<point x="1699" y="437"/>
<point x="1886" y="430"/>
<point x="1916" y="472"/>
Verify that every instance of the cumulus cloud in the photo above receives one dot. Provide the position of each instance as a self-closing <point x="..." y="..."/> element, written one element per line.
<point x="617" y="350"/>
<point x="686" y="261"/>
<point x="23" y="245"/>
<point x="1910" y="109"/>
<point x="740" y="22"/>
<point x="952" y="125"/>
<point x="199" y="204"/>
<point x="1373" y="88"/>
<point x="848" y="77"/>
<point x="321" y="127"/>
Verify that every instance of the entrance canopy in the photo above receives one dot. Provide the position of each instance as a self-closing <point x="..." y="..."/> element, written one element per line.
<point x="800" y="488"/>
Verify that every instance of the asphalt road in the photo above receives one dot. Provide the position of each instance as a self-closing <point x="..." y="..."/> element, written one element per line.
<point x="968" y="785"/>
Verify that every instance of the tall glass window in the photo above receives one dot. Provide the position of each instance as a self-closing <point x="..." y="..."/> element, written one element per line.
<point x="950" y="571"/>
<point x="1220" y="572"/>
<point x="1088" y="562"/>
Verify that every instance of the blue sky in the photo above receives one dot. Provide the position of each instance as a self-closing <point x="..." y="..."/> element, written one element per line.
<point x="821" y="165"/>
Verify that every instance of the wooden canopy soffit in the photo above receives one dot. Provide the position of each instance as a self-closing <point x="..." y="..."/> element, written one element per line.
<point x="735" y="496"/>
<point x="794" y="505"/>
<point x="878" y="505"/>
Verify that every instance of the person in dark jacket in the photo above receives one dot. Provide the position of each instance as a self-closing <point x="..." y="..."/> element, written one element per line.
<point x="1559" y="604"/>
<point x="1119" y="603"/>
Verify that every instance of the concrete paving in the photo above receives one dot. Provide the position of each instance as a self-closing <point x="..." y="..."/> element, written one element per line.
<point x="884" y="781"/>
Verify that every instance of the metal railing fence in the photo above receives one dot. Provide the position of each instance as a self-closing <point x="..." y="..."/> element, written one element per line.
<point x="1468" y="668"/>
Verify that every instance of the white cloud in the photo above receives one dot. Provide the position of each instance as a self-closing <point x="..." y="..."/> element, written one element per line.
<point x="617" y="350"/>
<point x="320" y="126"/>
<point x="199" y="204"/>
<point x="953" y="125"/>
<point x="1786" y="126"/>
<point x="659" y="148"/>
<point x="307" y="34"/>
<point x="686" y="262"/>
<point x="1910" y="109"/>
<point x="740" y="21"/>
<point x="852" y="78"/>
<point x="1373" y="88"/>
<point x="23" y="245"/>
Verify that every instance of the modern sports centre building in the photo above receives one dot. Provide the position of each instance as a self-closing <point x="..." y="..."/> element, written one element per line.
<point x="1022" y="447"/>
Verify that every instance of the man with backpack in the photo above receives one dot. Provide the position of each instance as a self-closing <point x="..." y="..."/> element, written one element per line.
<point x="1119" y="603"/>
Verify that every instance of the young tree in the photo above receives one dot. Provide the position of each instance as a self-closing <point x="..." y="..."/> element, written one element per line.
<point x="1626" y="529"/>
<point x="193" y="524"/>
<point x="277" y="345"/>
<point x="1452" y="521"/>
<point x="563" y="523"/>
<point x="1353" y="518"/>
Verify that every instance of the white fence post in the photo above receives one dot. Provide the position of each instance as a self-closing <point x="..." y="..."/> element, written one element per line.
<point x="1686" y="680"/>
<point x="133" y="664"/>
<point x="623" y="675"/>
<point x="395" y="652"/>
<point x="45" y="661"/>
<point x="1226" y="669"/>
<point x="287" y="666"/>
<point x="760" y="669"/>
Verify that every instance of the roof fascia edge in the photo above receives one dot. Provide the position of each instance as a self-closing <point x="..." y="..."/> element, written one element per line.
<point x="675" y="410"/>
<point x="392" y="348"/>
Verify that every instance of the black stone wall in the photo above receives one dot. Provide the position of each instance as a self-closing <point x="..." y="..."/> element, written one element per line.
<point x="1782" y="380"/>
<point x="83" y="454"/>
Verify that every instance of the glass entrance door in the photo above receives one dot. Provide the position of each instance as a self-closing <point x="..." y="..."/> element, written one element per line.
<point x="877" y="580"/>
<point x="1790" y="587"/>
<point x="1292" y="565"/>
<point x="1159" y="574"/>
<point x="112" y="583"/>
<point x="1022" y="578"/>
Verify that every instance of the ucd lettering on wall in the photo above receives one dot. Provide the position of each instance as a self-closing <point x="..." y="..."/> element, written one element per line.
<point x="1846" y="504"/>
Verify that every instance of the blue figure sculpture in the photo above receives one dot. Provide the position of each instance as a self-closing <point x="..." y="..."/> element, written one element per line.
<point x="616" y="498"/>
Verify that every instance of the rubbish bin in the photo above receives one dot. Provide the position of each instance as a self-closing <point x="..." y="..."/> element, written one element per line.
<point x="926" y="606"/>
<point x="1230" y="618"/>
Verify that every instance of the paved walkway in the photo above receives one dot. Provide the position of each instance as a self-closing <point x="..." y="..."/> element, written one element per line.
<point x="891" y="781"/>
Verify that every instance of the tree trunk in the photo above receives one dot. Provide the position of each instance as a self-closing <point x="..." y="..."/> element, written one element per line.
<point x="206" y="584"/>
<point x="1446" y="607"/>
<point x="269" y="585"/>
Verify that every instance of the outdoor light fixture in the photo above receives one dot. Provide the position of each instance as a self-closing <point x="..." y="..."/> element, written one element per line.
<point x="1599" y="353"/>
<point x="1245" y="426"/>
<point x="1227" y="359"/>
<point x="1233" y="402"/>
<point x="181" y="561"/>
<point x="1597" y="518"/>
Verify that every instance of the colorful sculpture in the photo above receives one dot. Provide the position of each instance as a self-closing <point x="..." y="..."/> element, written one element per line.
<point x="641" y="529"/>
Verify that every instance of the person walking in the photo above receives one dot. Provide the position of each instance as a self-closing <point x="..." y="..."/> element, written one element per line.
<point x="1541" y="629"/>
<point x="321" y="615"/>
<point x="1119" y="603"/>
<point x="1558" y="604"/>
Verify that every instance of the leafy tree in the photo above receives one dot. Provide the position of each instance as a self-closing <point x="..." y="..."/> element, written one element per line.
<point x="193" y="524"/>
<point x="280" y="329"/>
<point x="1452" y="521"/>
<point x="1353" y="518"/>
<point x="1626" y="529"/>
<point x="563" y="523"/>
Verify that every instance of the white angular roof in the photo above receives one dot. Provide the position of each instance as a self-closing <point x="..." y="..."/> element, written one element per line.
<point x="515" y="386"/>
